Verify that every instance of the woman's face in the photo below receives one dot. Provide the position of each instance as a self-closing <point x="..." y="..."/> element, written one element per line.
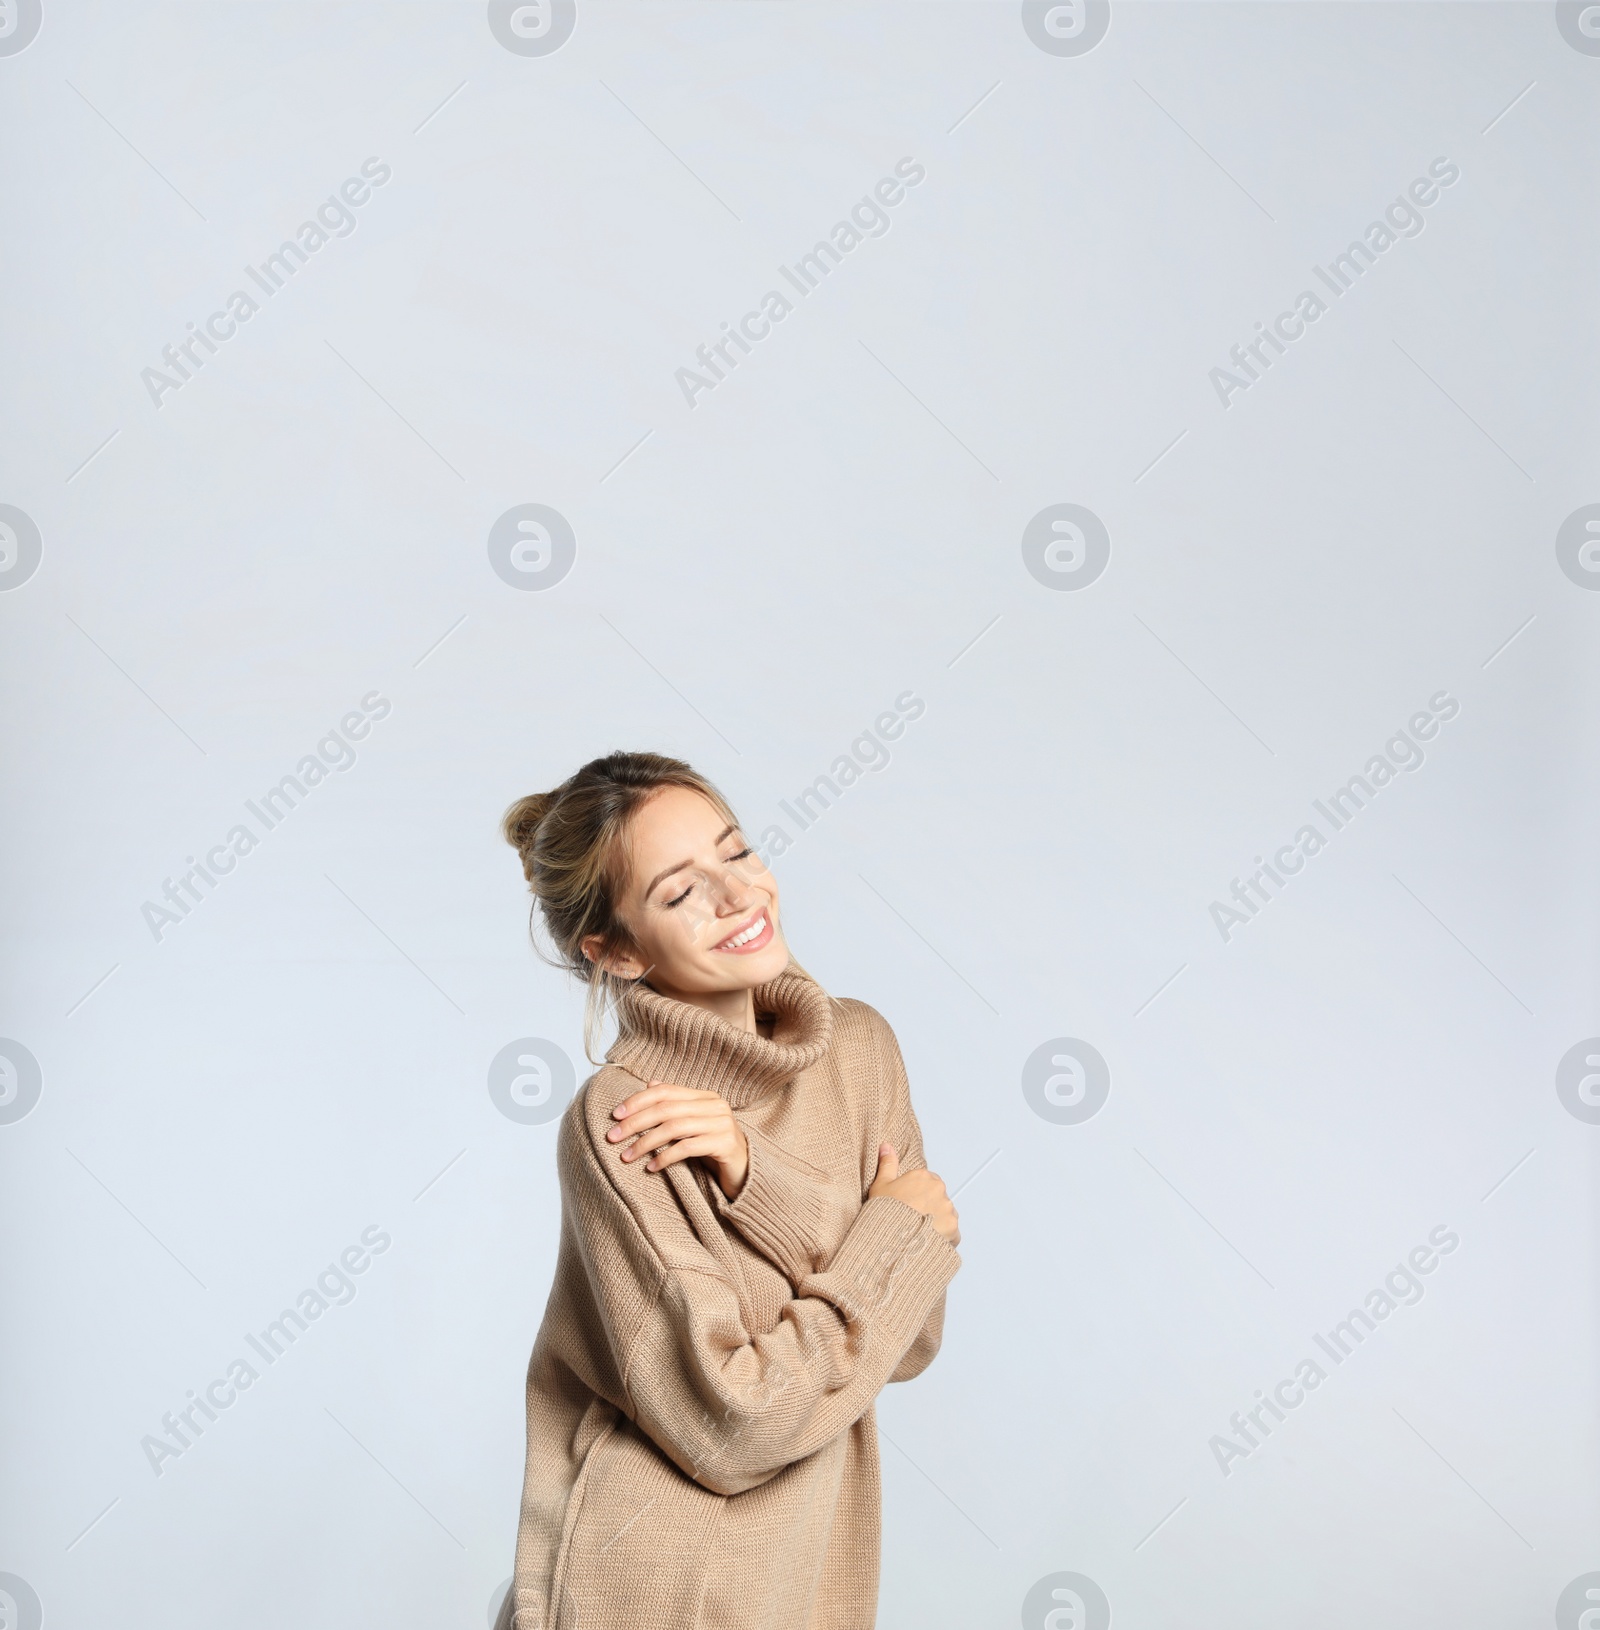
<point x="701" y="907"/>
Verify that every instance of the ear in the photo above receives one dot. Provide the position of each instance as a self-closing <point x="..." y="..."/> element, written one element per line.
<point x="620" y="963"/>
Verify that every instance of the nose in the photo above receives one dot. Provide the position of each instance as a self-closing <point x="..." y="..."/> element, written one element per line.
<point x="734" y="891"/>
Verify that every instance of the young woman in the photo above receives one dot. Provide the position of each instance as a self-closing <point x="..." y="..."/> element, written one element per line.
<point x="751" y="1244"/>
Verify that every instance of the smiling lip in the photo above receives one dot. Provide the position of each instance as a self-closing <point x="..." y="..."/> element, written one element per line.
<point x="760" y="942"/>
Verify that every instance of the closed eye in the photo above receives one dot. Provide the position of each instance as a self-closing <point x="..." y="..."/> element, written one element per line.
<point x="743" y="854"/>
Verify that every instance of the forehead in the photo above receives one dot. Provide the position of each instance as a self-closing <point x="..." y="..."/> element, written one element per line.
<point x="678" y="819"/>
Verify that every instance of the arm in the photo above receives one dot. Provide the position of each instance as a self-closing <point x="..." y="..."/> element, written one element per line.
<point x="730" y="1406"/>
<point x="780" y="1209"/>
<point x="901" y="1129"/>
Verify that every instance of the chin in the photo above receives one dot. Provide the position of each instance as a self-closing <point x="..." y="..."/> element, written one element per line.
<point x="746" y="972"/>
<point x="767" y="964"/>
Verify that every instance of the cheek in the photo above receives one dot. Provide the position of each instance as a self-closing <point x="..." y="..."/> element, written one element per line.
<point x="763" y="882"/>
<point x="700" y="927"/>
<point x="684" y="930"/>
<point x="653" y="936"/>
<point x="665" y="932"/>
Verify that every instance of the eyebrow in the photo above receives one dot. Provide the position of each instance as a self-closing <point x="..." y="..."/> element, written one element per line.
<point x="726" y="833"/>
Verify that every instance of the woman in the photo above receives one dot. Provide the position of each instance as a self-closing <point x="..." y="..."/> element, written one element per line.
<point x="751" y="1245"/>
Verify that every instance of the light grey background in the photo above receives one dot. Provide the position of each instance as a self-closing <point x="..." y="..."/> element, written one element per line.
<point x="1291" y="577"/>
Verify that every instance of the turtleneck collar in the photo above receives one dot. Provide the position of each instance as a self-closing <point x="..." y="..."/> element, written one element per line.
<point x="667" y="1040"/>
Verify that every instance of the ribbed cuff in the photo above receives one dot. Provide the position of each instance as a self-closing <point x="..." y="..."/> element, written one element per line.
<point x="890" y="1270"/>
<point x="780" y="1208"/>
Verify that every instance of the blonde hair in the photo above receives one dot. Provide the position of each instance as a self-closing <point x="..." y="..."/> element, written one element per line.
<point x="573" y="846"/>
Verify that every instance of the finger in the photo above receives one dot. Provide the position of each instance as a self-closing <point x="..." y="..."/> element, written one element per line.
<point x="639" y="1121"/>
<point x="667" y="1132"/>
<point x="651" y="1138"/>
<point x="685" y="1150"/>
<point x="649" y="1095"/>
<point x="888" y="1164"/>
<point x="647" y="1108"/>
<point x="655" y="1092"/>
<point x="655" y="1112"/>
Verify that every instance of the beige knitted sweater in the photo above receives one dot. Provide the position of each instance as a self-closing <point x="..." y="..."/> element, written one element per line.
<point x="702" y="1450"/>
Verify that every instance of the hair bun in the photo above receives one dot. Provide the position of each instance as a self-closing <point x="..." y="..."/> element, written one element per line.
<point x="522" y="820"/>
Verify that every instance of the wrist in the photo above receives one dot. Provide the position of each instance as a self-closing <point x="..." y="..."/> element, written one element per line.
<point x="731" y="1174"/>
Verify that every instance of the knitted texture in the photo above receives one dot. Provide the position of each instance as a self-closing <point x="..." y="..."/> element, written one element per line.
<point x="702" y="1450"/>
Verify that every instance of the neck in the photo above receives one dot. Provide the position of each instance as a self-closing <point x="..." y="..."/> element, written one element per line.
<point x="735" y="1007"/>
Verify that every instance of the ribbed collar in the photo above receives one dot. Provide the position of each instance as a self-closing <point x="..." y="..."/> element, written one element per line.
<point x="668" y="1040"/>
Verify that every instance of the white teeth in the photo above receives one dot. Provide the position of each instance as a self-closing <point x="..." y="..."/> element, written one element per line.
<point x="749" y="934"/>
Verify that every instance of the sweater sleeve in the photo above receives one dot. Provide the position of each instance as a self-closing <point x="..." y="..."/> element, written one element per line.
<point x="779" y="1208"/>
<point x="901" y="1129"/>
<point x="733" y="1406"/>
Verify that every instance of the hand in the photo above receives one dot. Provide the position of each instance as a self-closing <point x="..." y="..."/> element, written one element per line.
<point x="681" y="1124"/>
<point x="921" y="1190"/>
